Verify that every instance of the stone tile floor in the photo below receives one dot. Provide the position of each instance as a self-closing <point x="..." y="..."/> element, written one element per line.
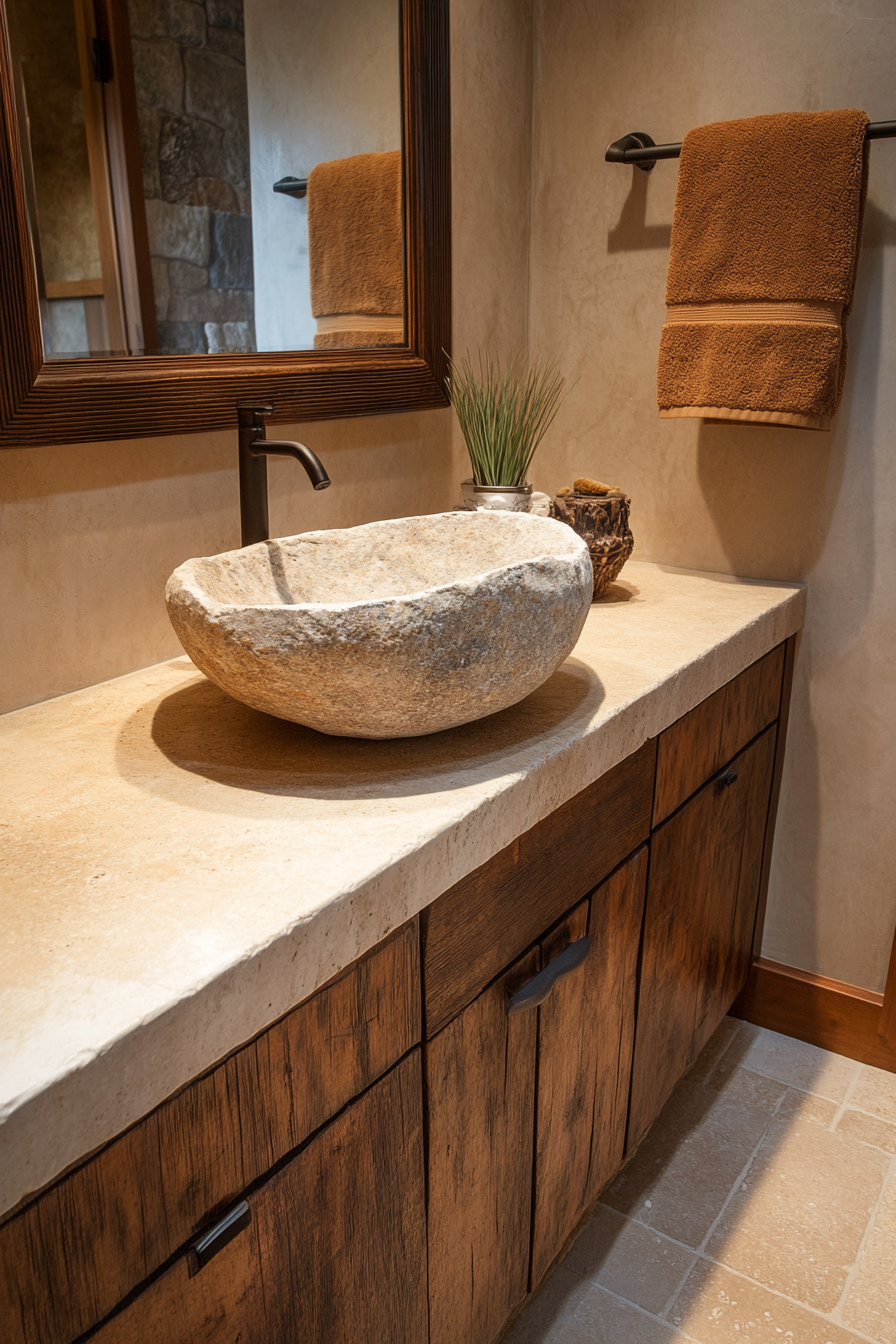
<point x="760" y="1209"/>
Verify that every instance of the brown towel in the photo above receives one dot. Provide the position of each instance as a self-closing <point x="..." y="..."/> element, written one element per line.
<point x="765" y="240"/>
<point x="355" y="251"/>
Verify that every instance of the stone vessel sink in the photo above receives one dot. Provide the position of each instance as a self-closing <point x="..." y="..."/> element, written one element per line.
<point x="393" y="629"/>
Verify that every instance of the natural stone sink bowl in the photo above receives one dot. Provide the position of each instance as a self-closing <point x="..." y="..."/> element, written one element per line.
<point x="392" y="629"/>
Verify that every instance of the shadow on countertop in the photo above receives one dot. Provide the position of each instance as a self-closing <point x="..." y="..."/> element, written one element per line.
<point x="201" y="730"/>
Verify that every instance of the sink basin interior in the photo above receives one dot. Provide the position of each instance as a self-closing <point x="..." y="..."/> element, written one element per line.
<point x="388" y="559"/>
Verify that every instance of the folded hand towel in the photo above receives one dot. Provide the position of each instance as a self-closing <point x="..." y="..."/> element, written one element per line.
<point x="765" y="240"/>
<point x="355" y="251"/>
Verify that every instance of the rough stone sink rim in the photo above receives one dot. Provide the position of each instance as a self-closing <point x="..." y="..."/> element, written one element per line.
<point x="491" y="605"/>
<point x="214" y="604"/>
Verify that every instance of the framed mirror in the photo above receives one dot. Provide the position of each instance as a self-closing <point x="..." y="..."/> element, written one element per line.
<point x="207" y="200"/>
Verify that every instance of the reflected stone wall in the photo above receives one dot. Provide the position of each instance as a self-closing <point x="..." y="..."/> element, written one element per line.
<point x="190" y="72"/>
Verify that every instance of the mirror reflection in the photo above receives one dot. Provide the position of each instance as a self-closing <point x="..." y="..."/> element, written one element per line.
<point x="212" y="176"/>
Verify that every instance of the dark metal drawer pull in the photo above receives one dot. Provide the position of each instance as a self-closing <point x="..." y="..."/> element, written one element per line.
<point x="536" y="990"/>
<point x="729" y="777"/>
<point x="220" y="1235"/>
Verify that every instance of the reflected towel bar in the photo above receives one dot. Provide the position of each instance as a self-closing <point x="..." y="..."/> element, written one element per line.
<point x="297" y="186"/>
<point x="638" y="148"/>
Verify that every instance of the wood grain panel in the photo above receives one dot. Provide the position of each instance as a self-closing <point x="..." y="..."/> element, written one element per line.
<point x="335" y="1251"/>
<point x="328" y="1051"/>
<point x="727" y="913"/>
<point x="71" y="401"/>
<point x="813" y="1008"/>
<point x="484" y="922"/>
<point x="566" y="1097"/>
<point x="586" y="1031"/>
<point x="702" y="741"/>
<point x="68" y="1258"/>
<point x="790" y="647"/>
<point x="222" y="1304"/>
<point x="701" y="903"/>
<point x="342" y="1228"/>
<point x="480" y="1083"/>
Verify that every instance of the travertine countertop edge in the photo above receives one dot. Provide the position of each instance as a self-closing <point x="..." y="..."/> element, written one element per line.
<point x="66" y="1089"/>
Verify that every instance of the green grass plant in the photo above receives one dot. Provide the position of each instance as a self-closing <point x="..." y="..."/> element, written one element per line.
<point x="503" y="413"/>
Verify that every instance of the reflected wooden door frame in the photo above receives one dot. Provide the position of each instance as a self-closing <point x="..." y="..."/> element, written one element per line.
<point x="72" y="401"/>
<point x="129" y="307"/>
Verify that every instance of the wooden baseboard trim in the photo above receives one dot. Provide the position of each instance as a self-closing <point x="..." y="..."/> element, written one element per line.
<point x="827" y="1013"/>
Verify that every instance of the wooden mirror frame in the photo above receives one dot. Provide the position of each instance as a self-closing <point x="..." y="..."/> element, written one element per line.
<point x="76" y="401"/>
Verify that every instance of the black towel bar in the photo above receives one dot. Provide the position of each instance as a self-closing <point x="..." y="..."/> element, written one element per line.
<point x="292" y="186"/>
<point x="638" y="148"/>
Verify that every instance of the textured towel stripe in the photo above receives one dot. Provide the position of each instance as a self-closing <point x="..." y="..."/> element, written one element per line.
<point x="828" y="314"/>
<point x="726" y="415"/>
<point x="361" y="322"/>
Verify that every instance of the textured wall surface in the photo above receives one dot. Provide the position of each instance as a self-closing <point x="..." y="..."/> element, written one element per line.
<point x="89" y="533"/>
<point x="773" y="503"/>
<point x="323" y="83"/>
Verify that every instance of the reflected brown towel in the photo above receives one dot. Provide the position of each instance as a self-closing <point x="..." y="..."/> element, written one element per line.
<point x="355" y="251"/>
<point x="765" y="240"/>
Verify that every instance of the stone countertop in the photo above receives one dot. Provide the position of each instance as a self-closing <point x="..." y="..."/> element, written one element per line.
<point x="178" y="870"/>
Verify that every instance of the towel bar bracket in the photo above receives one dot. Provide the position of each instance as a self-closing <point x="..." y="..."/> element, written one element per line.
<point x="623" y="151"/>
<point x="292" y="186"/>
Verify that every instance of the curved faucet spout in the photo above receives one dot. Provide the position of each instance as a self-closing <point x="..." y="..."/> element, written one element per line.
<point x="300" y="451"/>
<point x="255" y="450"/>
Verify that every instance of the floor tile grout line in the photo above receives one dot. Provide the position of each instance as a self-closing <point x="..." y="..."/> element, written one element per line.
<point x="626" y="1301"/>
<point x="737" y="1184"/>
<point x="825" y="1317"/>
<point x="670" y="1301"/>
<point x="647" y="1227"/>
<point x="654" y="1231"/>
<point x="701" y="1249"/>
<point x="857" y="1110"/>
<point x="693" y="1255"/>
<point x="677" y="1328"/>
<point x="760" y="1031"/>
<point x="889" y="1175"/>
<point x="712" y="1227"/>
<point x="839" y="1113"/>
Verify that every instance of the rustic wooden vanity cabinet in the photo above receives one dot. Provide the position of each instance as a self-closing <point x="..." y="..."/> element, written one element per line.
<point x="290" y="1193"/>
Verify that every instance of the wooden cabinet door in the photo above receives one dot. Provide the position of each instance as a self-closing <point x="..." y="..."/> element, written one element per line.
<point x="335" y="1250"/>
<point x="701" y="905"/>
<point x="480" y="1082"/>
<point x="221" y="1304"/>
<point x="585" y="1036"/>
<point x="81" y="1247"/>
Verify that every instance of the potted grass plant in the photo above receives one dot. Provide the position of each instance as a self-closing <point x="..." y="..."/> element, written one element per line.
<point x="503" y="413"/>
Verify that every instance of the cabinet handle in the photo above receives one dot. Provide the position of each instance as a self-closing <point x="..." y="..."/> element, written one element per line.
<point x="536" y="990"/>
<point x="219" y="1236"/>
<point x="728" y="778"/>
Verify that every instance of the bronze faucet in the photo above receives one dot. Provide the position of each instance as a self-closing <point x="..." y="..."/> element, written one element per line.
<point x="255" y="449"/>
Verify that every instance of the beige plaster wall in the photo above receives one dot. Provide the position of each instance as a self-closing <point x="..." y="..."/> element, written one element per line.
<point x="89" y="533"/>
<point x="763" y="502"/>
